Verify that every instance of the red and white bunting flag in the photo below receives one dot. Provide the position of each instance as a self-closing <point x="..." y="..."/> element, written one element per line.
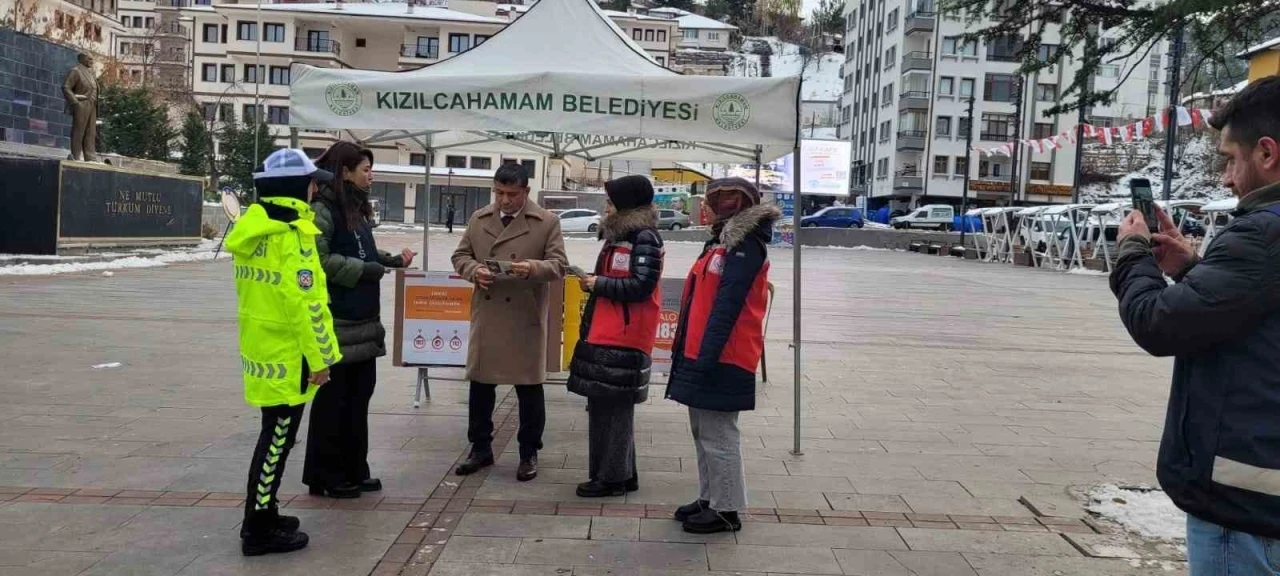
<point x="1126" y="133"/>
<point x="1184" y="117"/>
<point x="1107" y="135"/>
<point x="1052" y="143"/>
<point x="1197" y="121"/>
<point x="1038" y="145"/>
<point x="1005" y="149"/>
<point x="1206" y="114"/>
<point x="1089" y="131"/>
<point x="1139" y="130"/>
<point x="1162" y="120"/>
<point x="1148" y="127"/>
<point x="1069" y="135"/>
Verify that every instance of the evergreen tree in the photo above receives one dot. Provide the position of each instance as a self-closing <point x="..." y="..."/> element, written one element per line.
<point x="196" y="146"/>
<point x="134" y="123"/>
<point x="237" y="147"/>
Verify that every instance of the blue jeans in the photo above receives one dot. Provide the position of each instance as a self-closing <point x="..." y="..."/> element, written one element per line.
<point x="1216" y="551"/>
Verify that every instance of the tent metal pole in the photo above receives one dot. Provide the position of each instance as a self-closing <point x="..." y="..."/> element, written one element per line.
<point x="798" y="203"/>
<point x="424" y="382"/>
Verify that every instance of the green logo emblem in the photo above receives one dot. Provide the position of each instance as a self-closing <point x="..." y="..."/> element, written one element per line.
<point x="343" y="98"/>
<point x="731" y="112"/>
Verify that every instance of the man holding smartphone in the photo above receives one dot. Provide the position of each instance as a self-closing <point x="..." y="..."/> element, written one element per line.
<point x="511" y="250"/>
<point x="1219" y="455"/>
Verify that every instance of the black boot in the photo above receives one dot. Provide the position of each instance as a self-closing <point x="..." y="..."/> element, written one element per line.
<point x="594" y="489"/>
<point x="689" y="510"/>
<point x="475" y="462"/>
<point x="341" y="491"/>
<point x="286" y="523"/>
<point x="266" y="536"/>
<point x="370" y="485"/>
<point x="709" y="521"/>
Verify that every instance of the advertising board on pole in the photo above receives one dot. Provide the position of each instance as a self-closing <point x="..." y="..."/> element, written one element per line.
<point x="434" y="320"/>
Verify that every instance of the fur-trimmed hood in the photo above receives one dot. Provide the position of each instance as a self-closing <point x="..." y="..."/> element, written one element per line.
<point x="757" y="220"/>
<point x="620" y="224"/>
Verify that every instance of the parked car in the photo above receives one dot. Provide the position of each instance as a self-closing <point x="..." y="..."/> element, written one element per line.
<point x="672" y="220"/>
<point x="579" y="220"/>
<point x="936" y="216"/>
<point x="834" y="217"/>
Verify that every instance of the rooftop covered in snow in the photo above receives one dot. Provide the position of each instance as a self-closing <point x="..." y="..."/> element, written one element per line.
<point x="392" y="10"/>
<point x="689" y="20"/>
<point x="1272" y="44"/>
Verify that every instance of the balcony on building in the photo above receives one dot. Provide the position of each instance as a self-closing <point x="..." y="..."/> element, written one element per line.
<point x="909" y="181"/>
<point x="913" y="100"/>
<point x="917" y="61"/>
<point x="911" y="140"/>
<point x="322" y="46"/>
<point x="172" y="29"/>
<point x="415" y="51"/>
<point x="921" y="22"/>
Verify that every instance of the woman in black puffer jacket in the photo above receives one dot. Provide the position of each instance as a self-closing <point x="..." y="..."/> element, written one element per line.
<point x="612" y="358"/>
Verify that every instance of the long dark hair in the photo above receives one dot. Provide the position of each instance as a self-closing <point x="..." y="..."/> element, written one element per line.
<point x="353" y="201"/>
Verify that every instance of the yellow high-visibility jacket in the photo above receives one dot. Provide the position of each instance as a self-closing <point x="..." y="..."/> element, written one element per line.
<point x="283" y="304"/>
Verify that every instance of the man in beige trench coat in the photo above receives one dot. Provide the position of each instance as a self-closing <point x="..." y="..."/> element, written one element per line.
<point x="508" y="343"/>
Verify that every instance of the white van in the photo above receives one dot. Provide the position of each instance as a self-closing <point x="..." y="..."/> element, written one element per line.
<point x="935" y="216"/>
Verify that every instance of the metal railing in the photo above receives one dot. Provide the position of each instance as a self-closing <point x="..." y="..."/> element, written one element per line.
<point x="918" y="55"/>
<point x="994" y="137"/>
<point x="914" y="94"/>
<point x="318" y="45"/>
<point x="419" y="51"/>
<point x="912" y="133"/>
<point x="1002" y="57"/>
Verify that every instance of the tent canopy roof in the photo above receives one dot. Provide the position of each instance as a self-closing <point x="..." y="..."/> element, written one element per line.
<point x="534" y="78"/>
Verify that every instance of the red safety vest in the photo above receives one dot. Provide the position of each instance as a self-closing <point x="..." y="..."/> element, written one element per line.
<point x="632" y="325"/>
<point x="746" y="342"/>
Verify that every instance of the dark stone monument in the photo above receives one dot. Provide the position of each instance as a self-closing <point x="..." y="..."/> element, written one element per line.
<point x="61" y="205"/>
<point x="32" y="108"/>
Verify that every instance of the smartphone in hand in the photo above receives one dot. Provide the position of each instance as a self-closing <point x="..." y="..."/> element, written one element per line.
<point x="1144" y="202"/>
<point x="499" y="267"/>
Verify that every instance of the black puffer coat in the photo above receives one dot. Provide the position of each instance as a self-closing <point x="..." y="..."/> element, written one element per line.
<point x="613" y="373"/>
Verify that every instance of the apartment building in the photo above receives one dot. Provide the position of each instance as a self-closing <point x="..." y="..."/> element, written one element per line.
<point x="908" y="79"/>
<point x="656" y="35"/>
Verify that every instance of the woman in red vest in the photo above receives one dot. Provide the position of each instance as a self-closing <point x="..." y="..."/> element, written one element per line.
<point x="718" y="343"/>
<point x="611" y="361"/>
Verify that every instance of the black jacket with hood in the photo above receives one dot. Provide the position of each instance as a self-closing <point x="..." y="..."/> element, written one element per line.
<point x="354" y="267"/>
<point x="1219" y="455"/>
<point x="612" y="373"/>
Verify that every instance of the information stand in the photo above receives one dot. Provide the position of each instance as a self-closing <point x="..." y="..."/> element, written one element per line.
<point x="432" y="323"/>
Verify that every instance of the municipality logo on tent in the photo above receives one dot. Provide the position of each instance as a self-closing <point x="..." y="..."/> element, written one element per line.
<point x="343" y="98"/>
<point x="731" y="112"/>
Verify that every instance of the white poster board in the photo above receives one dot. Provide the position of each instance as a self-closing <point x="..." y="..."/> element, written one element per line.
<point x="435" y="319"/>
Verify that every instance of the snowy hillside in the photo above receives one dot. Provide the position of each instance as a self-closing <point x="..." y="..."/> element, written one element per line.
<point x="821" y="78"/>
<point x="1197" y="174"/>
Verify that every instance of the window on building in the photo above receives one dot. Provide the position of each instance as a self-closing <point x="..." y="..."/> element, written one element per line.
<point x="251" y="113"/>
<point x="890" y="57"/>
<point x="966" y="87"/>
<point x="662" y="36"/>
<point x="946" y="85"/>
<point x="1042" y="130"/>
<point x="210" y="35"/>
<point x="281" y="75"/>
<point x="226" y="113"/>
<point x="886" y="95"/>
<point x="277" y="114"/>
<point x="1108" y="71"/>
<point x="962" y="127"/>
<point x="891" y="23"/>
<point x="953" y="46"/>
<point x="984" y="169"/>
<point x="229" y="73"/>
<point x="246" y="31"/>
<point x="999" y="88"/>
<point x="941" y="165"/>
<point x="417" y="159"/>
<point x="637" y="34"/>
<point x="361" y="42"/>
<point x="1047" y="92"/>
<point x="209" y="72"/>
<point x="1004" y="48"/>
<point x="871" y="135"/>
<point x="962" y="166"/>
<point x="253" y="74"/>
<point x="997" y="127"/>
<point x="427" y="47"/>
<point x="886" y="128"/>
<point x="210" y="111"/>
<point x="882" y="168"/>
<point x="1041" y="171"/>
<point x="942" y="127"/>
<point x="272" y="32"/>
<point x="1047" y="52"/>
<point x="455" y="161"/>
<point x="649" y="35"/>
<point x="482" y="163"/>
<point x="662" y="61"/>
<point x="137" y="22"/>
<point x="459" y="43"/>
<point x="689" y="34"/>
<point x="480" y="38"/>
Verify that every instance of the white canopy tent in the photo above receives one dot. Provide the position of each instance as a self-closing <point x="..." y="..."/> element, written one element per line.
<point x="563" y="81"/>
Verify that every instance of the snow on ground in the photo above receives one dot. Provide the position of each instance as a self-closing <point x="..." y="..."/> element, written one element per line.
<point x="151" y="258"/>
<point x="1148" y="513"/>
<point x="821" y="77"/>
<point x="1196" y="174"/>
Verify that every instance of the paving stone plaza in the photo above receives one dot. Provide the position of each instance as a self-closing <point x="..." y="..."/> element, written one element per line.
<point x="952" y="413"/>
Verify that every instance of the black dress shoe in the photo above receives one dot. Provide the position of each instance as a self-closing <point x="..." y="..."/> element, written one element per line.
<point x="342" y="491"/>
<point x="474" y="464"/>
<point x="273" y="541"/>
<point x="286" y="523"/>
<point x="594" y="489"/>
<point x="633" y="483"/>
<point x="709" y="521"/>
<point x="371" y="485"/>
<point x="528" y="469"/>
<point x="689" y="510"/>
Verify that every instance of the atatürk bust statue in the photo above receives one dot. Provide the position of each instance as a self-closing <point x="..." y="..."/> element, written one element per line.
<point x="81" y="92"/>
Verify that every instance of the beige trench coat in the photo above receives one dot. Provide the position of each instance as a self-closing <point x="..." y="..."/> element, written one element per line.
<point x="508" y="343"/>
